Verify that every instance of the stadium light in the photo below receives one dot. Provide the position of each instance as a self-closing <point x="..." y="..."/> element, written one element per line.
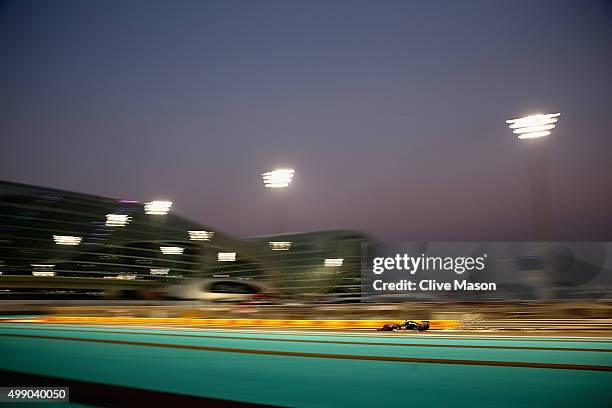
<point x="159" y="271"/>
<point x="171" y="250"/>
<point x="534" y="126"/>
<point x="157" y="207"/>
<point x="333" y="261"/>
<point x="201" y="235"/>
<point x="117" y="220"/>
<point x="226" y="256"/>
<point x="67" y="240"/>
<point x="280" y="245"/>
<point x="537" y="127"/>
<point x="279" y="178"/>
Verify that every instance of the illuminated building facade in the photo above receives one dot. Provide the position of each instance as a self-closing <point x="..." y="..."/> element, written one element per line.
<point x="62" y="244"/>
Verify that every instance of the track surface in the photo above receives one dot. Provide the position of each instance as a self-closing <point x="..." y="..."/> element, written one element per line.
<point x="314" y="369"/>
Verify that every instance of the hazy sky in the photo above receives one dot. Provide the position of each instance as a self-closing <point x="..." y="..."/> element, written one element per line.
<point x="391" y="112"/>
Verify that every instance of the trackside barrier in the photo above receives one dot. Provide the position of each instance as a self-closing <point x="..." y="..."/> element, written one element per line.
<point x="327" y="324"/>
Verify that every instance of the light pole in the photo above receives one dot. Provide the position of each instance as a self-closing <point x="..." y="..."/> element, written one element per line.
<point x="278" y="180"/>
<point x="533" y="129"/>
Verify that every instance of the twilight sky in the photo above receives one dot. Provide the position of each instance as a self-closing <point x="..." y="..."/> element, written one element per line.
<point x="391" y="112"/>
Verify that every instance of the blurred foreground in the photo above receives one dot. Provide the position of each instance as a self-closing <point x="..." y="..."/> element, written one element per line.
<point x="121" y="365"/>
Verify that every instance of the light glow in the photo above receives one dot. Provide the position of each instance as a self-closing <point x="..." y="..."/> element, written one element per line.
<point x="333" y="261"/>
<point x="534" y="126"/>
<point x="121" y="277"/>
<point x="157" y="207"/>
<point x="280" y="245"/>
<point x="279" y="178"/>
<point x="43" y="269"/>
<point x="171" y="250"/>
<point x="159" y="271"/>
<point x="67" y="240"/>
<point x="226" y="256"/>
<point x="117" y="220"/>
<point x="534" y="135"/>
<point x="43" y="273"/>
<point x="201" y="235"/>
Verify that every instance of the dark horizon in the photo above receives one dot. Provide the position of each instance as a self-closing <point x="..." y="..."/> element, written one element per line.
<point x="392" y="114"/>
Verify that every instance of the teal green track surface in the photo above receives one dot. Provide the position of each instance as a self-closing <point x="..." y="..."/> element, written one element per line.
<point x="310" y="369"/>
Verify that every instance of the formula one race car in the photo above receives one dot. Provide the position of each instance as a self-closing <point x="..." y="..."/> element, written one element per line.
<point x="407" y="325"/>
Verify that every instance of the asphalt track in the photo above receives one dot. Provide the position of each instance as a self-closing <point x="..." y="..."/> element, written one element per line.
<point x="131" y="365"/>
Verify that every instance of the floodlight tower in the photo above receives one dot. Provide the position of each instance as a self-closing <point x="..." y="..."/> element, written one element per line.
<point x="534" y="129"/>
<point x="278" y="180"/>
